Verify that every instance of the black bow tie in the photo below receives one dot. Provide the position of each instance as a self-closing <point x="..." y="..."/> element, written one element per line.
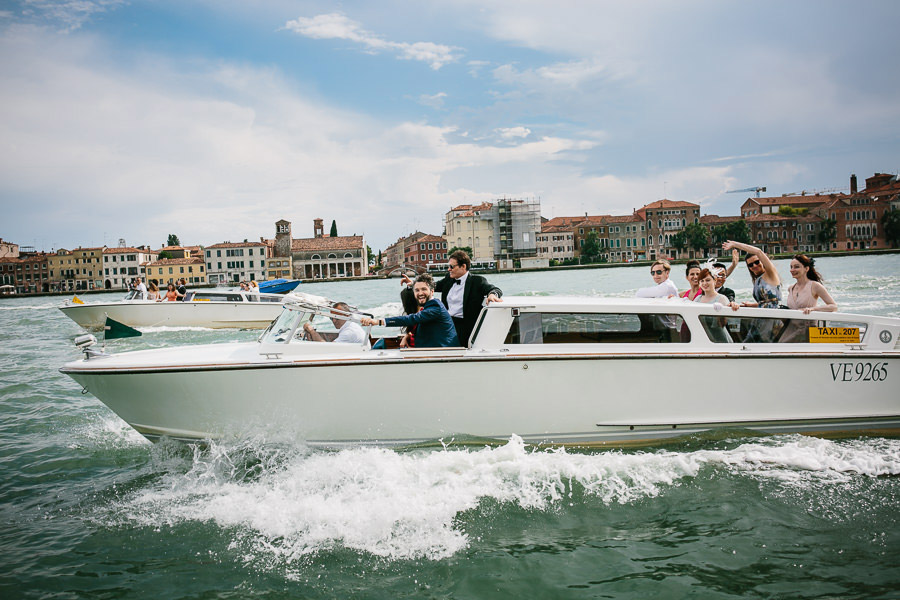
<point x="457" y="281"/>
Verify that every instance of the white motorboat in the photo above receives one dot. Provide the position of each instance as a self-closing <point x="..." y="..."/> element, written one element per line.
<point x="214" y="309"/>
<point x="582" y="371"/>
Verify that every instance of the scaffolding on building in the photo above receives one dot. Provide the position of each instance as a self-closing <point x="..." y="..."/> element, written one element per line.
<point x="516" y="225"/>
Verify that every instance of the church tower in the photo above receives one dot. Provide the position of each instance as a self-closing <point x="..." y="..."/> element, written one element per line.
<point x="283" y="238"/>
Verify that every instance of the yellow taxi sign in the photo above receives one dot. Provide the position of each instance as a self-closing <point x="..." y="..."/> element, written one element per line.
<point x="834" y="335"/>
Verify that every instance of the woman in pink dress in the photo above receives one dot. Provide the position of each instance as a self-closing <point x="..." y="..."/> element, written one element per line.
<point x="692" y="274"/>
<point x="808" y="290"/>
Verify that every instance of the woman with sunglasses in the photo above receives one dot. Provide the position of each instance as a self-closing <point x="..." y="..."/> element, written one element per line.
<point x="766" y="282"/>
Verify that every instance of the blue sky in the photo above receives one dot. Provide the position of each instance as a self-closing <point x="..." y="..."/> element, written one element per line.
<point x="214" y="119"/>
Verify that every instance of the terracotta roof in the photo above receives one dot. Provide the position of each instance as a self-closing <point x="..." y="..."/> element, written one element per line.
<point x="666" y="203"/>
<point x="429" y="238"/>
<point x="236" y="245"/>
<point x="716" y="219"/>
<point x="175" y="261"/>
<point x="80" y="249"/>
<point x="347" y="242"/>
<point x="791" y="200"/>
<point x="558" y="228"/>
<point x="624" y="218"/>
<point x="122" y="250"/>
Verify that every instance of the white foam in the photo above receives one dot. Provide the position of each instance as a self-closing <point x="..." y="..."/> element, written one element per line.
<point x="161" y="329"/>
<point x="406" y="505"/>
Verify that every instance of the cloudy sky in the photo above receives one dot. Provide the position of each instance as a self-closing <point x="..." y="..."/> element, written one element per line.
<point x="214" y="119"/>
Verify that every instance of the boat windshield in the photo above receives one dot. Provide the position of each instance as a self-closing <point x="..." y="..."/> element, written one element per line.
<point x="283" y="329"/>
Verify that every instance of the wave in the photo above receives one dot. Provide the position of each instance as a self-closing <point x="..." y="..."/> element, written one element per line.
<point x="288" y="502"/>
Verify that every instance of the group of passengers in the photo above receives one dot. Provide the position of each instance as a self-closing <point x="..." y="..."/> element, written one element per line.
<point x="449" y="321"/>
<point x="175" y="292"/>
<point x="707" y="282"/>
<point x="252" y="287"/>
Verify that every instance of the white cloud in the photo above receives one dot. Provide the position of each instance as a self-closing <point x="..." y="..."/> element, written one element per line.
<point x="338" y="26"/>
<point x="433" y="100"/>
<point x="68" y="15"/>
<point x="132" y="152"/>
<point x="509" y="133"/>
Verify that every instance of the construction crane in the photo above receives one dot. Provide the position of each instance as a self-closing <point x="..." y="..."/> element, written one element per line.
<point x="752" y="189"/>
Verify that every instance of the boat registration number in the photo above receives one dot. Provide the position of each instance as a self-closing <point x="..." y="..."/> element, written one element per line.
<point x="861" y="371"/>
<point x="834" y="335"/>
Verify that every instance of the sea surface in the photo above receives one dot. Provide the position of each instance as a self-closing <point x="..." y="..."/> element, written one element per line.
<point x="89" y="509"/>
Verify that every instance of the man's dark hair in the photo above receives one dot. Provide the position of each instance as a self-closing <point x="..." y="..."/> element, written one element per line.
<point x="719" y="265"/>
<point x="462" y="258"/>
<point x="427" y="278"/>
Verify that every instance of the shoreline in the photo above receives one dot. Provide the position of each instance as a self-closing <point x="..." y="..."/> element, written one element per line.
<point x="640" y="263"/>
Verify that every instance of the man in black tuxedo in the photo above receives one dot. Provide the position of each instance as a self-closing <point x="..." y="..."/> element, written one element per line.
<point x="463" y="294"/>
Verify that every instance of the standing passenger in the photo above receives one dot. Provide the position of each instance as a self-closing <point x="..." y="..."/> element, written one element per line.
<point x="806" y="293"/>
<point x="692" y="274"/>
<point x="766" y="282"/>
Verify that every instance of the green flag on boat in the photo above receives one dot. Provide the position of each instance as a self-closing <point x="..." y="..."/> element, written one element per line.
<point x="114" y="329"/>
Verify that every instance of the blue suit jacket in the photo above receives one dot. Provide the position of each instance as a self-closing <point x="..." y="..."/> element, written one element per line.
<point x="435" y="326"/>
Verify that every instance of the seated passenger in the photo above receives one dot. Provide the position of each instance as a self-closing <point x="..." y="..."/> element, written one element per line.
<point x="664" y="287"/>
<point x="692" y="274"/>
<point x="723" y="273"/>
<point x="349" y="332"/>
<point x="435" y="327"/>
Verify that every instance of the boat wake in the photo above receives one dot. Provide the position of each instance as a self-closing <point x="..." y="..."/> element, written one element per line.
<point x="284" y="503"/>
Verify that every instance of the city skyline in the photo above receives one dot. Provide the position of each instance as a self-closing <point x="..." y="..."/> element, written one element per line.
<point x="213" y="120"/>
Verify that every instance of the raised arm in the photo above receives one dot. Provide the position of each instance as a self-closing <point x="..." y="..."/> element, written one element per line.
<point x="735" y="259"/>
<point x="770" y="273"/>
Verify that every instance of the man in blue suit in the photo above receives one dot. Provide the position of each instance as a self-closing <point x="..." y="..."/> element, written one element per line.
<point x="435" y="326"/>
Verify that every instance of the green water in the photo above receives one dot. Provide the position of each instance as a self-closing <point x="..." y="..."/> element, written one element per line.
<point x="89" y="509"/>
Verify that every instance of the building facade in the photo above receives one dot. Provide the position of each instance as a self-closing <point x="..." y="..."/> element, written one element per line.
<point x="320" y="257"/>
<point x="27" y="273"/>
<point x="516" y="226"/>
<point x="122" y="264"/>
<point x="425" y="251"/>
<point x="170" y="270"/>
<point x="232" y="262"/>
<point x="665" y="218"/>
<point x="8" y="249"/>
<point x="471" y="226"/>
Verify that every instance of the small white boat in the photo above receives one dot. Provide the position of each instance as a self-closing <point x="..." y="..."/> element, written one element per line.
<point x="202" y="308"/>
<point x="580" y="371"/>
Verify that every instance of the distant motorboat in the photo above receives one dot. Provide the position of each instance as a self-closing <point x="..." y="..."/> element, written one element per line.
<point x="582" y="371"/>
<point x="215" y="309"/>
<point x="278" y="286"/>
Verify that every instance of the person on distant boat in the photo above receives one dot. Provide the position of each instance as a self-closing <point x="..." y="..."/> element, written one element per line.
<point x="153" y="292"/>
<point x="244" y="286"/>
<point x="171" y="293"/>
<point x="462" y="294"/>
<point x="140" y="287"/>
<point x="808" y="290"/>
<point x="665" y="287"/>
<point x="692" y="273"/>
<point x="435" y="327"/>
<point x="349" y="331"/>
<point x="766" y="282"/>
<point x="254" y="288"/>
<point x="181" y="288"/>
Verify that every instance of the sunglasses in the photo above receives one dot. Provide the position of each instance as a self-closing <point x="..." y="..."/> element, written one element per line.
<point x="660" y="272"/>
<point x="753" y="264"/>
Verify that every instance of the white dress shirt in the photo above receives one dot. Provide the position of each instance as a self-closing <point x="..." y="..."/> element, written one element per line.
<point x="663" y="290"/>
<point x="351" y="332"/>
<point x="455" y="297"/>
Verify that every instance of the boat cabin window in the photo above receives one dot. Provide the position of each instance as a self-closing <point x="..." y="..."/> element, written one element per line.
<point x="758" y="330"/>
<point x="220" y="297"/>
<point x="288" y="326"/>
<point x="270" y="299"/>
<point x="597" y="328"/>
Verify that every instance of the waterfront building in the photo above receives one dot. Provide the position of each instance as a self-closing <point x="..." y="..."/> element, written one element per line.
<point x="471" y="226"/>
<point x="857" y="217"/>
<point x="122" y="264"/>
<point x="87" y="267"/>
<point x="425" y="250"/>
<point x="27" y="273"/>
<point x="236" y="261"/>
<point x="776" y="234"/>
<point x="8" y="249"/>
<point x="175" y="251"/>
<point x="665" y="218"/>
<point x="169" y="270"/>
<point x="516" y="225"/>
<point x="279" y="268"/>
<point x="61" y="270"/>
<point x="556" y="240"/>
<point x="626" y="238"/>
<point x="320" y="256"/>
<point x="776" y="204"/>
<point x="394" y="256"/>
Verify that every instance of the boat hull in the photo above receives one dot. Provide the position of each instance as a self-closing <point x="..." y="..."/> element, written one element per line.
<point x="278" y="286"/>
<point x="578" y="400"/>
<point x="213" y="315"/>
